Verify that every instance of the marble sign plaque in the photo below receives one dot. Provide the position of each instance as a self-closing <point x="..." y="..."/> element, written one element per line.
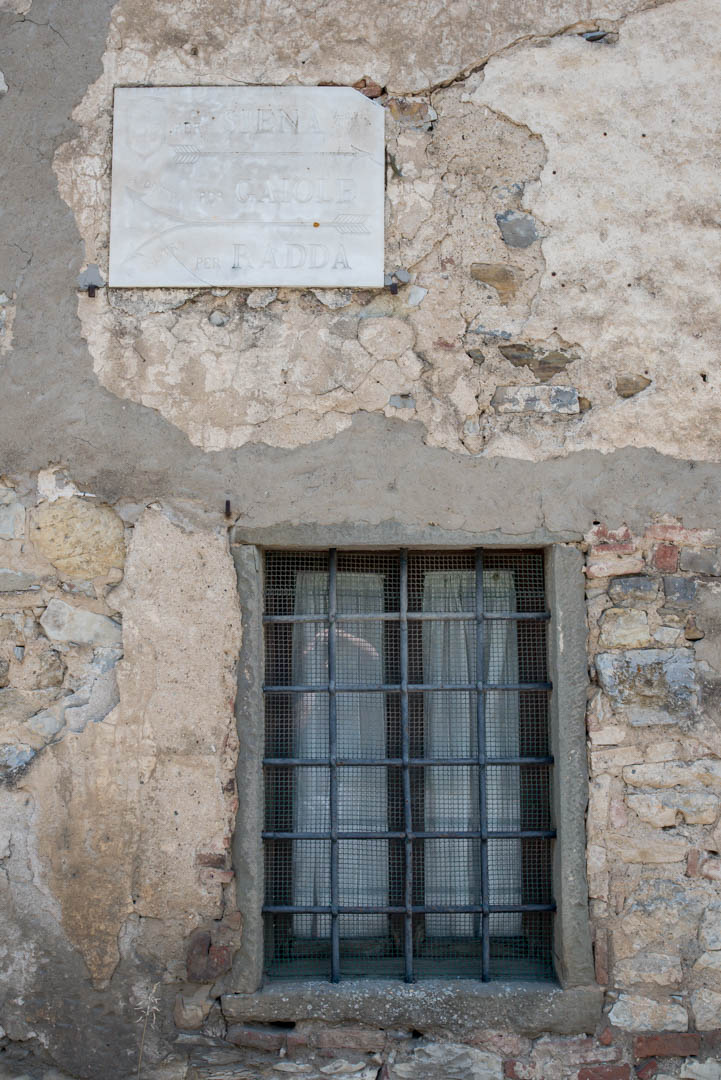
<point x="246" y="186"/>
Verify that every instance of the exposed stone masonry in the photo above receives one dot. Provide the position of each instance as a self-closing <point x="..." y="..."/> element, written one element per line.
<point x="551" y="299"/>
<point x="654" y="838"/>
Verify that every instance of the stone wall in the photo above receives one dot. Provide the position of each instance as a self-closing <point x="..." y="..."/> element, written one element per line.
<point x="540" y="368"/>
<point x="121" y="629"/>
<point x="117" y="758"/>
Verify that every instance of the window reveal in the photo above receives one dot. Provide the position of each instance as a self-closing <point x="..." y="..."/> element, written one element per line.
<point x="407" y="767"/>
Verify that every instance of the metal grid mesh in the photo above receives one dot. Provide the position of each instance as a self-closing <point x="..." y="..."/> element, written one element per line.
<point x="394" y="845"/>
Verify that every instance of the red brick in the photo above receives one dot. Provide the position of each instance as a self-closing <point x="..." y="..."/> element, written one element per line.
<point x="206" y="858"/>
<point x="666" y="1044"/>
<point x="605" y="1072"/>
<point x="348" y="1037"/>
<point x="711" y="1043"/>
<point x="604" y="540"/>
<point x="665" y="558"/>
<point x="677" y="534"/>
<point x="647" y="1070"/>
<point x="205" y="962"/>
<point x="606" y="1036"/>
<point x="256" y="1036"/>
<point x="296" y="1040"/>
<point x="210" y="876"/>
<point x="693" y="862"/>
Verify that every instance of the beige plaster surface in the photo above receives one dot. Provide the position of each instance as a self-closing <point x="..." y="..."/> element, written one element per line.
<point x="124" y="808"/>
<point x="612" y="146"/>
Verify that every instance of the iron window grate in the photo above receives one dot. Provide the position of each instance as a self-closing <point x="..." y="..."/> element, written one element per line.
<point x="407" y="768"/>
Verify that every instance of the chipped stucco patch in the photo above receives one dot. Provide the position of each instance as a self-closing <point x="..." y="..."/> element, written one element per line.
<point x="614" y="273"/>
<point x="125" y="806"/>
<point x="631" y="207"/>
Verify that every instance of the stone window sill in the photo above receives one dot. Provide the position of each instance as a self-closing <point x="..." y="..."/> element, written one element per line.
<point x="453" y="1005"/>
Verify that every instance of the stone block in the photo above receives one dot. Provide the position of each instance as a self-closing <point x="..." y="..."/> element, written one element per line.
<point x="655" y="686"/>
<point x="706" y="1005"/>
<point x="655" y="969"/>
<point x="12" y="515"/>
<point x="191" y="1008"/>
<point x="710" y="929"/>
<point x="701" y="1070"/>
<point x="500" y="276"/>
<point x="651" y="847"/>
<point x="708" y="970"/>
<point x="14" y="760"/>
<point x="539" y="400"/>
<point x="17" y="581"/>
<point x="615" y="760"/>
<point x="666" y="1044"/>
<point x="82" y="539"/>
<point x="624" y="628"/>
<point x="667" y="636"/>
<point x="696" y="808"/>
<point x="204" y="961"/>
<point x="680" y="592"/>
<point x="348" y="1037"/>
<point x="706" y="562"/>
<point x="257" y="1036"/>
<point x="448" y="1061"/>
<point x="670" y="774"/>
<point x="634" y="1013"/>
<point x="638" y="590"/>
<point x="411" y="113"/>
<point x="613" y="565"/>
<point x="556" y="1050"/>
<point x="630" y="384"/>
<point x="544" y="363"/>
<point x="62" y="622"/>
<point x="518" y="230"/>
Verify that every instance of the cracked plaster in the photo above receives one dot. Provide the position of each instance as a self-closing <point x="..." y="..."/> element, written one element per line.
<point x="609" y="277"/>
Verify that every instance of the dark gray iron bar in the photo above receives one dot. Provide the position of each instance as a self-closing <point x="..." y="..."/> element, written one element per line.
<point x="422" y="616"/>
<point x="413" y="762"/>
<point x="333" y="750"/>
<point x="482" y="787"/>
<point x="417" y="909"/>
<point x="385" y="688"/>
<point x="405" y="755"/>
<point x="446" y="834"/>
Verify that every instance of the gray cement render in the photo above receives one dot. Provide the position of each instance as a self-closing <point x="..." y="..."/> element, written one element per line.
<point x="378" y="471"/>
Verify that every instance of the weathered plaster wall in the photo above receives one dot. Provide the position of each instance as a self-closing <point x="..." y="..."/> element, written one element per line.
<point x="547" y="217"/>
<point x="117" y="757"/>
<point x="501" y="390"/>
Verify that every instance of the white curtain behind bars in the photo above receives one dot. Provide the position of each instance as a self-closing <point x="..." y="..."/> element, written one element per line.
<point x="362" y="791"/>
<point x="452" y="867"/>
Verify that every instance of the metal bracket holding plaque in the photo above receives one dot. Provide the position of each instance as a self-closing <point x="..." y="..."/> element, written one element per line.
<point x="246" y="186"/>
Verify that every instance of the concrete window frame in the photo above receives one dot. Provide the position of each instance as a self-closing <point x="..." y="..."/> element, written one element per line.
<point x="571" y="1006"/>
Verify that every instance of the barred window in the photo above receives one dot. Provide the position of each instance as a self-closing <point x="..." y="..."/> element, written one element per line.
<point x="407" y="765"/>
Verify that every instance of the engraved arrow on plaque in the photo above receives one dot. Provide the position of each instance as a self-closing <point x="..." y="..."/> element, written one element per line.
<point x="188" y="155"/>
<point x="345" y="224"/>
